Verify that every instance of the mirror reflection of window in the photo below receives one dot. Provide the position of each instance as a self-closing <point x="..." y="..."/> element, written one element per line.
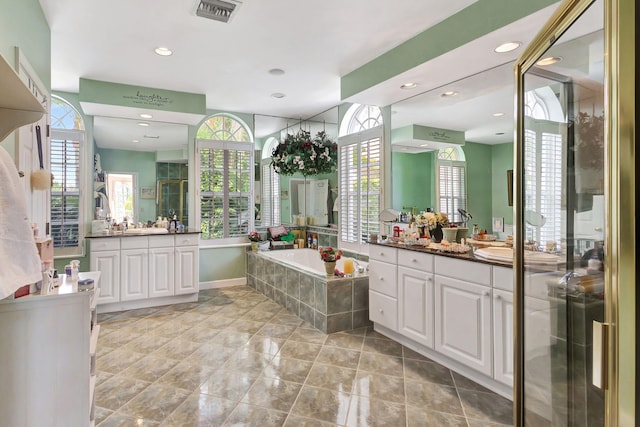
<point x="451" y="184"/>
<point x="121" y="191"/>
<point x="270" y="180"/>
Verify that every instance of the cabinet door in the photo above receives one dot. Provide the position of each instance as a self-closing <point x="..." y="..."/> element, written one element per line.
<point x="383" y="310"/>
<point x="108" y="264"/>
<point x="161" y="272"/>
<point x="503" y="337"/>
<point x="186" y="274"/>
<point x="134" y="274"/>
<point x="382" y="278"/>
<point x="463" y="322"/>
<point x="415" y="305"/>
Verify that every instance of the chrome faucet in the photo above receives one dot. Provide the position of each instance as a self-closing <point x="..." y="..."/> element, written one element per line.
<point x="360" y="268"/>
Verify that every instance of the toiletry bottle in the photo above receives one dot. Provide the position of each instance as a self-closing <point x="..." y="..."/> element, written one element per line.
<point x="475" y="231"/>
<point x="314" y="244"/>
<point x="309" y="241"/>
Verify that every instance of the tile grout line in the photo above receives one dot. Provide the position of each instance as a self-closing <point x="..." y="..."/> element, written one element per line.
<point x="455" y="384"/>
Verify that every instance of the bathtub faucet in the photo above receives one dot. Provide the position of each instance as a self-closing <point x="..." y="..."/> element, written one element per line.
<point x="359" y="267"/>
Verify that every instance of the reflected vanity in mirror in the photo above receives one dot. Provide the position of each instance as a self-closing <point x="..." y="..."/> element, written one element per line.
<point x="454" y="138"/>
<point x="155" y="155"/>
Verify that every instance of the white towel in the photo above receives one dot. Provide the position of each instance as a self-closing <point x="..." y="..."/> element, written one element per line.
<point x="20" y="260"/>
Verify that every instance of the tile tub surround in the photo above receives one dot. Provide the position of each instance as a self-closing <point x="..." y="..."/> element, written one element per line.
<point x="330" y="305"/>
<point x="202" y="364"/>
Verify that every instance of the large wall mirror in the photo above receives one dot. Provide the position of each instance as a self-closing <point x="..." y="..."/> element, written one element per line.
<point x="452" y="147"/>
<point x="144" y="165"/>
<point x="293" y="199"/>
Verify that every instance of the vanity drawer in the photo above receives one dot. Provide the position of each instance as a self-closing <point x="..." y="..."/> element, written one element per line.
<point x="503" y="278"/>
<point x="470" y="271"/>
<point x="160" y="241"/>
<point x="105" y="244"/>
<point x="383" y="278"/>
<point x="418" y="260"/>
<point x="139" y="242"/>
<point x="187" y="239"/>
<point x="383" y="310"/>
<point x="383" y="253"/>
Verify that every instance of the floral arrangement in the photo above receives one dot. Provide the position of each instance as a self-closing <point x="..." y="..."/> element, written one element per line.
<point x="590" y="149"/>
<point x="432" y="219"/>
<point x="330" y="254"/>
<point x="254" y="236"/>
<point x="300" y="153"/>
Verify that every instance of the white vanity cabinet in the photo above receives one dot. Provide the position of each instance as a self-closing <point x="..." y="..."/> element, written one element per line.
<point x="503" y="337"/>
<point x="463" y="322"/>
<point x="144" y="271"/>
<point x="383" y="287"/>
<point x="105" y="258"/>
<point x="161" y="266"/>
<point x="134" y="268"/>
<point x="415" y="297"/>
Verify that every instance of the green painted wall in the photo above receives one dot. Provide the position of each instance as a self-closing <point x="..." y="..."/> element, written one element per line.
<point x="479" y="176"/>
<point x="412" y="180"/>
<point x="22" y="24"/>
<point x="141" y="163"/>
<point x="222" y="263"/>
<point x="480" y="18"/>
<point x="501" y="161"/>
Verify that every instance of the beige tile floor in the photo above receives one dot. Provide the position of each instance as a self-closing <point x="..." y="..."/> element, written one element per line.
<point x="235" y="358"/>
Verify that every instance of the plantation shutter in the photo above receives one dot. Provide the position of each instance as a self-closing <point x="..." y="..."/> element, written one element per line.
<point x="360" y="176"/>
<point x="226" y="196"/>
<point x="65" y="192"/>
<point x="270" y="204"/>
<point x="452" y="188"/>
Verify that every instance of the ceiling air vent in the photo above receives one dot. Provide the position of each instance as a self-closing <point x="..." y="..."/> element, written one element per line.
<point x="217" y="10"/>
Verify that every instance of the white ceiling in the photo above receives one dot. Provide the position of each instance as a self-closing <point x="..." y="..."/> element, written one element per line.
<point x="314" y="42"/>
<point x="114" y="41"/>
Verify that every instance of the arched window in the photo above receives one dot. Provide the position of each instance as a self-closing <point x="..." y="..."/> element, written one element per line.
<point x="360" y="166"/>
<point x="543" y="168"/>
<point x="67" y="146"/>
<point x="451" y="182"/>
<point x="225" y="167"/>
<point x="359" y="118"/>
<point x="270" y="180"/>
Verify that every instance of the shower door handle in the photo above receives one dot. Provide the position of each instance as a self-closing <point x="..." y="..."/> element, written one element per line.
<point x="600" y="354"/>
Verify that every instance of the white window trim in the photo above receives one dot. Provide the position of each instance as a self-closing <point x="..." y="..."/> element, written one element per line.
<point x="224" y="145"/>
<point x="351" y="139"/>
<point x="274" y="185"/>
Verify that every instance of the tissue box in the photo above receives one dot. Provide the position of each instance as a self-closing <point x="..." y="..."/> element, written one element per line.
<point x="45" y="249"/>
<point x="275" y="245"/>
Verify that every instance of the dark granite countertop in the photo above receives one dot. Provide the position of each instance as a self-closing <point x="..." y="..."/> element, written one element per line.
<point x="468" y="256"/>
<point x="120" y="234"/>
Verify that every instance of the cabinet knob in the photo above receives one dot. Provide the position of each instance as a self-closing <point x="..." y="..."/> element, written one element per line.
<point x="381" y="253"/>
<point x="498" y="297"/>
<point x="381" y="279"/>
<point x="429" y="279"/>
<point x="485" y="293"/>
<point x="381" y="311"/>
<point x="413" y="260"/>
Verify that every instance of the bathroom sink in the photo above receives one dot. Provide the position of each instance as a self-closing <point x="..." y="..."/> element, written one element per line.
<point x="146" y="231"/>
<point x="506" y="255"/>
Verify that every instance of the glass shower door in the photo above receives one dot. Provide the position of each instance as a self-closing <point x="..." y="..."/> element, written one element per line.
<point x="560" y="237"/>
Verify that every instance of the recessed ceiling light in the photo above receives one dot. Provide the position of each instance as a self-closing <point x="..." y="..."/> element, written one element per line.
<point x="424" y="145"/>
<point x="499" y="133"/>
<point x="498" y="114"/>
<point x="143" y="124"/>
<point x="549" y="60"/>
<point x="146" y="116"/>
<point x="449" y="93"/>
<point x="507" y="47"/>
<point x="163" y="51"/>
<point x="410" y="85"/>
<point x="278" y="95"/>
<point x="276" y="71"/>
<point x="135" y="140"/>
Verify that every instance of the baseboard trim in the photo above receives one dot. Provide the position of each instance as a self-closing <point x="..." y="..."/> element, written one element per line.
<point x="225" y="283"/>
<point x="145" y="303"/>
